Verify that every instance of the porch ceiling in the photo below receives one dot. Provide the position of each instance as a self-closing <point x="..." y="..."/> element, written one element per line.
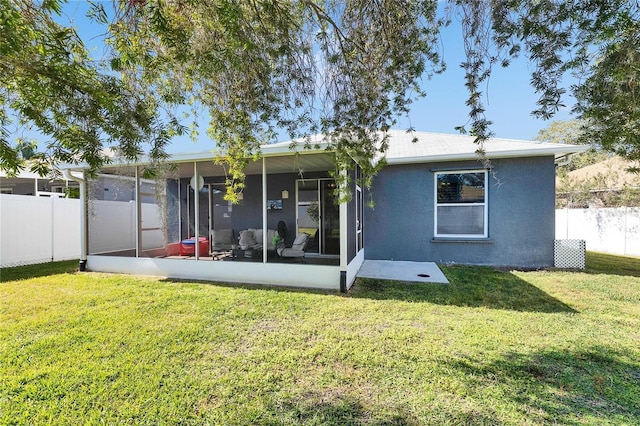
<point x="281" y="164"/>
<point x="311" y="162"/>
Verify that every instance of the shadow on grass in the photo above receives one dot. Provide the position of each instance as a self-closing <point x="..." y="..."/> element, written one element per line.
<point x="471" y="286"/>
<point x="334" y="408"/>
<point x="38" y="270"/>
<point x="316" y="408"/>
<point x="609" y="264"/>
<point x="563" y="386"/>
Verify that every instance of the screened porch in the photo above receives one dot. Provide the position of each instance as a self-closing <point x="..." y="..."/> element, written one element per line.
<point x="169" y="224"/>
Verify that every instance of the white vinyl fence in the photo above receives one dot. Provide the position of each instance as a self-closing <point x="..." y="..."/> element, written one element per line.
<point x="42" y="229"/>
<point x="608" y="230"/>
<point x="38" y="229"/>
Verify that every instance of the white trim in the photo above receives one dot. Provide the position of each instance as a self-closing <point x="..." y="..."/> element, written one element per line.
<point x="359" y="218"/>
<point x="264" y="209"/>
<point x="354" y="267"/>
<point x="274" y="274"/>
<point x="138" y="214"/>
<point x="485" y="204"/>
<point x="516" y="153"/>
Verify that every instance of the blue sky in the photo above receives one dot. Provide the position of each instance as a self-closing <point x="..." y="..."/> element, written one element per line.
<point x="510" y="98"/>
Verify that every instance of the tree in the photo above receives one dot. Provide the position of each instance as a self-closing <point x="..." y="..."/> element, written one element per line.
<point x="571" y="132"/>
<point x="48" y="81"/>
<point x="344" y="69"/>
<point x="27" y="150"/>
<point x="609" y="99"/>
<point x="595" y="40"/>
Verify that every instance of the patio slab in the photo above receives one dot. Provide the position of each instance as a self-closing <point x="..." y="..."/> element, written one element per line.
<point x="414" y="272"/>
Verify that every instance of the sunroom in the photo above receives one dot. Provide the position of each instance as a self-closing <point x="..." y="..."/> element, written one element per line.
<point x="172" y="225"/>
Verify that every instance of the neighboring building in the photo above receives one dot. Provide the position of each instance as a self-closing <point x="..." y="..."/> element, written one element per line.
<point x="610" y="174"/>
<point x="105" y="187"/>
<point x="434" y="201"/>
<point x="608" y="183"/>
<point x="29" y="183"/>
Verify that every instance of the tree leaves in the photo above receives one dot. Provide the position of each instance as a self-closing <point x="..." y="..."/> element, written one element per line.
<point x="48" y="80"/>
<point x="609" y="99"/>
<point x="346" y="70"/>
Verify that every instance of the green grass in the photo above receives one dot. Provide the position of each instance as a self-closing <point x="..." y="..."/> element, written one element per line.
<point x="493" y="347"/>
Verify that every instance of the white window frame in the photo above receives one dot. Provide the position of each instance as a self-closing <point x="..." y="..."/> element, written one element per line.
<point x="485" y="204"/>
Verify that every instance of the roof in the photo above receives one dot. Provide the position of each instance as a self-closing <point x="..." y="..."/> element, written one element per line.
<point x="430" y="147"/>
<point x="611" y="173"/>
<point x="27" y="174"/>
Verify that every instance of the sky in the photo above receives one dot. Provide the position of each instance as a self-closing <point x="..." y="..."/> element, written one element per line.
<point x="509" y="102"/>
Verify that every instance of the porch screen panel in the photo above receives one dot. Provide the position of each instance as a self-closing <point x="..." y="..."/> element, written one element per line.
<point x="309" y="213"/>
<point x="172" y="211"/>
<point x="112" y="212"/>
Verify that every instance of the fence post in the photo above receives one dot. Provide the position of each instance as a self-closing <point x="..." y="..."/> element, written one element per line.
<point x="53" y="228"/>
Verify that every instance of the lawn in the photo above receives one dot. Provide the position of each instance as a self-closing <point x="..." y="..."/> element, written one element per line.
<point x="493" y="347"/>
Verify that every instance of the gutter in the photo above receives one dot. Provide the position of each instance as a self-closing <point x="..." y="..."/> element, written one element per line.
<point x="83" y="216"/>
<point x="564" y="160"/>
<point x="558" y="152"/>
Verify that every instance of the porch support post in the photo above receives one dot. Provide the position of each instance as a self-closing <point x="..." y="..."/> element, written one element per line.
<point x="84" y="216"/>
<point x="84" y="223"/>
<point x="196" y="213"/>
<point x="343" y="235"/>
<point x="138" y="214"/>
<point x="264" y="210"/>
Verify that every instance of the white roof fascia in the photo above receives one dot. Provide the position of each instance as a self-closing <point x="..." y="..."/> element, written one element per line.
<point x="533" y="152"/>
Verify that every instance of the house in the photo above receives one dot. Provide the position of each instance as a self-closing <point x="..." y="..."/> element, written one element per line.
<point x="434" y="201"/>
<point x="29" y="183"/>
<point x="609" y="174"/>
<point x="608" y="183"/>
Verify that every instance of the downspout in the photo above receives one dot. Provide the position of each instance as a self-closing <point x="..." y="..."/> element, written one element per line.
<point x="83" y="217"/>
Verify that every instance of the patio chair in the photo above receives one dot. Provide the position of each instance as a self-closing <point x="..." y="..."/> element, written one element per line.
<point x="297" y="249"/>
<point x="222" y="243"/>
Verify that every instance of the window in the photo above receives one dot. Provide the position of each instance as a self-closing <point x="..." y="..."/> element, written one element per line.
<point x="461" y="204"/>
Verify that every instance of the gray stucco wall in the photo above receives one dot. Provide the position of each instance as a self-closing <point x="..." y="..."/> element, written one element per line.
<point x="521" y="196"/>
<point x="121" y="189"/>
<point x="248" y="213"/>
